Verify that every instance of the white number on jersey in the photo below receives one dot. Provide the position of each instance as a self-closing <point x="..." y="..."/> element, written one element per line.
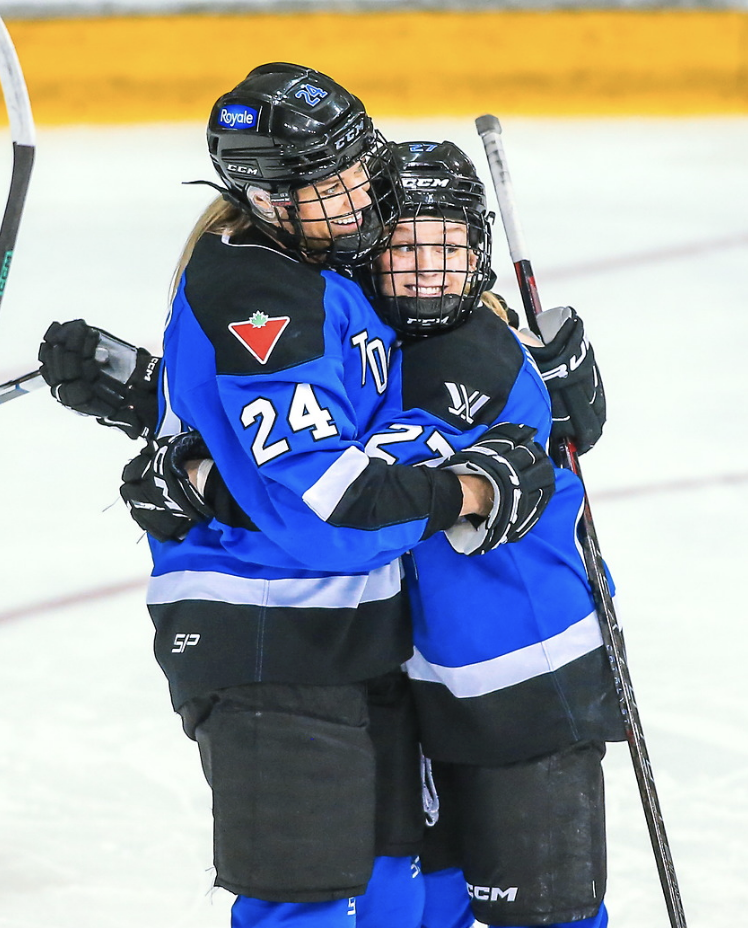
<point x="399" y="433"/>
<point x="304" y="412"/>
<point x="263" y="410"/>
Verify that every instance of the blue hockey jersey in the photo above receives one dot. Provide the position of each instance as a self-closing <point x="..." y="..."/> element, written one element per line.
<point x="282" y="367"/>
<point x="509" y="661"/>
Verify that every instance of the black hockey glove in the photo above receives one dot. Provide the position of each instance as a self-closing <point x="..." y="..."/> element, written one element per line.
<point x="158" y="492"/>
<point x="523" y="482"/>
<point x="96" y="374"/>
<point x="163" y="501"/>
<point x="567" y="366"/>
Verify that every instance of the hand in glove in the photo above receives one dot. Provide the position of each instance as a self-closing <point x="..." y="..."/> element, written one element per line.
<point x="161" y="498"/>
<point x="521" y="475"/>
<point x="96" y="374"/>
<point x="567" y="365"/>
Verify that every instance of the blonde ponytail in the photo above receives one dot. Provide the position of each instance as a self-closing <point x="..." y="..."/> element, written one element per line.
<point x="497" y="304"/>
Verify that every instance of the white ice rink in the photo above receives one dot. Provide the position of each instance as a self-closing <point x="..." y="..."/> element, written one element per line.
<point x="642" y="224"/>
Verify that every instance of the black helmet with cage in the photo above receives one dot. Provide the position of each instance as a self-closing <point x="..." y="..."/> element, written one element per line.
<point x="440" y="184"/>
<point x="285" y="127"/>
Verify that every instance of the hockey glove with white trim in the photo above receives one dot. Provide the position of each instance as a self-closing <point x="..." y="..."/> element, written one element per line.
<point x="96" y="374"/>
<point x="157" y="490"/>
<point x="163" y="501"/>
<point x="567" y="365"/>
<point x="521" y="475"/>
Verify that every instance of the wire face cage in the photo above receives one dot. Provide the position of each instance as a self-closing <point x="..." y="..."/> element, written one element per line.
<point x="434" y="270"/>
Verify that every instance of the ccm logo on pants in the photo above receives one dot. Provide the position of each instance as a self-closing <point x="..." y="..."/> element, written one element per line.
<point x="491" y="893"/>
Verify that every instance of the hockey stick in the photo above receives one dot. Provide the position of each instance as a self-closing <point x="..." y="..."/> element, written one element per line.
<point x="489" y="130"/>
<point x="22" y="132"/>
<point x="20" y="386"/>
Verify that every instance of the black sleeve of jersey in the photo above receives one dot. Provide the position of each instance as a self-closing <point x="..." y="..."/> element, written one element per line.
<point x="379" y="497"/>
<point x="227" y="284"/>
<point x="390" y="494"/>
<point x="225" y="508"/>
<point x="477" y="365"/>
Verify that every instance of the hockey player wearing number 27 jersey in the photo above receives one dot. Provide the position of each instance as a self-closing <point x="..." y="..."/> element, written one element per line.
<point x="509" y="661"/>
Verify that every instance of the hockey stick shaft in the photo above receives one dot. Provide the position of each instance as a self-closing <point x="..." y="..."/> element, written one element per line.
<point x="489" y="130"/>
<point x="20" y="386"/>
<point x="27" y="383"/>
<point x="22" y="133"/>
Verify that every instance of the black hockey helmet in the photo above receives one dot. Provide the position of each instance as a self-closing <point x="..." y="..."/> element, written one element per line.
<point x="285" y="127"/>
<point x="440" y="183"/>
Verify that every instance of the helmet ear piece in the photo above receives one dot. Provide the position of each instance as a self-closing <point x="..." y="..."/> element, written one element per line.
<point x="259" y="202"/>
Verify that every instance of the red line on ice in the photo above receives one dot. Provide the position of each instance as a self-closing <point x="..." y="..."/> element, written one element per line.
<point x="127" y="586"/>
<point x="73" y="599"/>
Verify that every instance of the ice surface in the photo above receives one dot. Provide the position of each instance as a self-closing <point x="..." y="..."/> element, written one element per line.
<point x="642" y="224"/>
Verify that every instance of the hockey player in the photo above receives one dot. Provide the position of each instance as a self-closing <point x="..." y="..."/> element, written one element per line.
<point x="514" y="695"/>
<point x="515" y="698"/>
<point x="283" y="646"/>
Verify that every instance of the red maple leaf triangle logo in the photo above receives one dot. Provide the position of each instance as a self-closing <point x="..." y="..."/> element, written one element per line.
<point x="260" y="333"/>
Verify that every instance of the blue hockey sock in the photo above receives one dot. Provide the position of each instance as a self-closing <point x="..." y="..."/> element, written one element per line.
<point x="255" y="913"/>
<point x="394" y="896"/>
<point x="447" y="900"/>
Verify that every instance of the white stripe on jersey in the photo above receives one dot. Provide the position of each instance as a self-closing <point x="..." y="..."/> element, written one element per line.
<point x="516" y="667"/>
<point x="302" y="593"/>
<point x="323" y="496"/>
<point x="171" y="424"/>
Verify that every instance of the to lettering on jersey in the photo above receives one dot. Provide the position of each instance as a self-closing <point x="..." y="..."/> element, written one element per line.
<point x="374" y="358"/>
<point x="260" y="333"/>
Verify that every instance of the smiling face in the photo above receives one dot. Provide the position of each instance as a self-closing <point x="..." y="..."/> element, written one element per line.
<point x="332" y="208"/>
<point x="427" y="258"/>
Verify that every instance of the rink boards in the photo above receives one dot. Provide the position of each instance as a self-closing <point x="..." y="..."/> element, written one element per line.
<point x="164" y="68"/>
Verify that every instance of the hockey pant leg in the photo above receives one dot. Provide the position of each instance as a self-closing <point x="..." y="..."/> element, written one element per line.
<point x="600" y="920"/>
<point x="448" y="905"/>
<point x="394" y="897"/>
<point x="530" y="835"/>
<point x="292" y="773"/>
<point x="447" y="902"/>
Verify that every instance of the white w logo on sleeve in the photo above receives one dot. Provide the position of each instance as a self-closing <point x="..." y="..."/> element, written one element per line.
<point x="465" y="403"/>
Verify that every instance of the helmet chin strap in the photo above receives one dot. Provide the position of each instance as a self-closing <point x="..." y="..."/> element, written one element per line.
<point x="357" y="247"/>
<point x="420" y="316"/>
<point x="233" y="198"/>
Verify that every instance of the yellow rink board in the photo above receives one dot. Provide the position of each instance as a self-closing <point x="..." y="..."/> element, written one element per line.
<point x="163" y="68"/>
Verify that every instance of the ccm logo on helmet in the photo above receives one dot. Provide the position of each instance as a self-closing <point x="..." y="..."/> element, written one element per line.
<point x="491" y="893"/>
<point x="416" y="182"/>
<point x="237" y="116"/>
<point x="350" y="135"/>
<point x="242" y="169"/>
